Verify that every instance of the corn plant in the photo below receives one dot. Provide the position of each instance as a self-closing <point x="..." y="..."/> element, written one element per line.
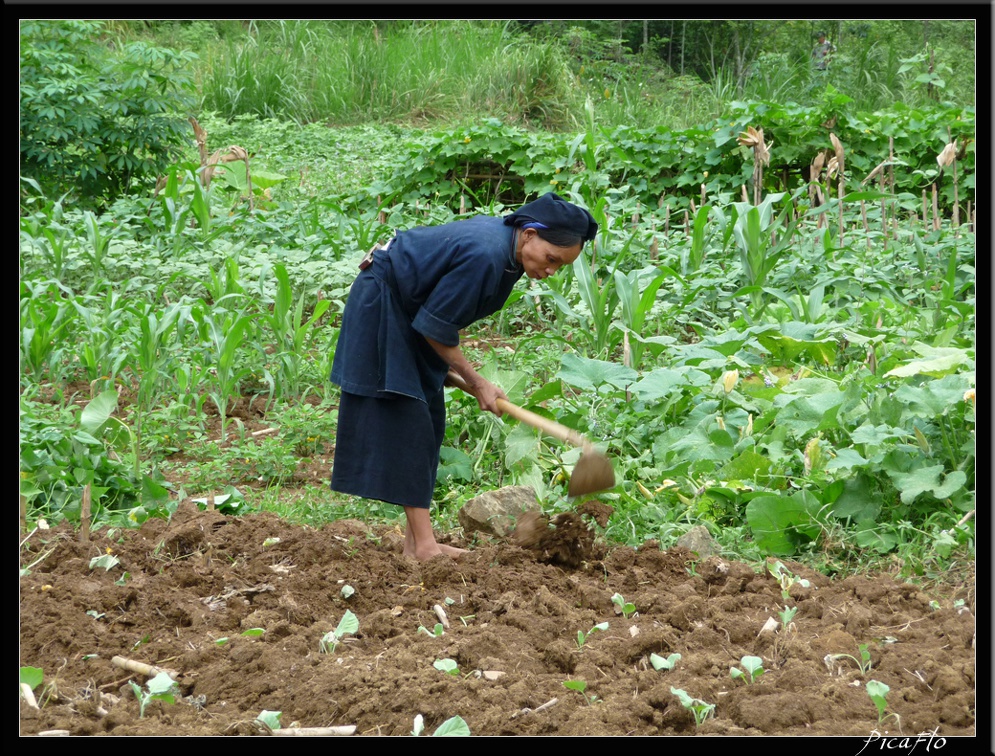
<point x="99" y="243"/>
<point x="153" y="351"/>
<point x="752" y="229"/>
<point x="637" y="303"/>
<point x="292" y="332"/>
<point x="102" y="349"/>
<point x="226" y="332"/>
<point x="44" y="318"/>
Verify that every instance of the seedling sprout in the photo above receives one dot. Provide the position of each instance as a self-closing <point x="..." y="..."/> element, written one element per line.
<point x="754" y="667"/>
<point x="659" y="662"/>
<point x="701" y="710"/>
<point x="162" y="687"/>
<point x="452" y="727"/>
<point x="864" y="664"/>
<point x="436" y="632"/>
<point x="348" y="625"/>
<point x="270" y="719"/>
<point x="582" y="636"/>
<point x="448" y="666"/>
<point x="580" y="686"/>
<point x="786" y="578"/>
<point x="626" y="608"/>
<point x="878" y="691"/>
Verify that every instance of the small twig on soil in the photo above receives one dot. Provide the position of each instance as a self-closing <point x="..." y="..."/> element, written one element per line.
<point x="264" y="431"/>
<point x="549" y="704"/>
<point x="54" y="734"/>
<point x="314" y="731"/>
<point x="141" y="668"/>
<point x="441" y="614"/>
<point x="84" y="516"/>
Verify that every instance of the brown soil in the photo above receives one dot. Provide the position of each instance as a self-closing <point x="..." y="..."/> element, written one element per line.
<point x="514" y="610"/>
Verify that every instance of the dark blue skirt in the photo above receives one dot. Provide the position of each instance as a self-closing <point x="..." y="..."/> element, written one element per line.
<point x="387" y="448"/>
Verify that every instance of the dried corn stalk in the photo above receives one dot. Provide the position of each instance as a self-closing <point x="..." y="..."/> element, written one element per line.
<point x="946" y="158"/>
<point x="838" y="169"/>
<point x="754" y="139"/>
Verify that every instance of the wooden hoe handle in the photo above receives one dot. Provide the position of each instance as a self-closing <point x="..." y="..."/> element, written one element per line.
<point x="550" y="427"/>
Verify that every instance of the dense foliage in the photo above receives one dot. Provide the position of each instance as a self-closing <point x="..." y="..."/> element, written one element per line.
<point x="98" y="118"/>
<point x="796" y="375"/>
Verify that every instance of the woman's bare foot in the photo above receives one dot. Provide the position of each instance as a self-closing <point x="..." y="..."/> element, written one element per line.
<point x="419" y="540"/>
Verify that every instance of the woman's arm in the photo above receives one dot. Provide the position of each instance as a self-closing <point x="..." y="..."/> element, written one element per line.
<point x="486" y="392"/>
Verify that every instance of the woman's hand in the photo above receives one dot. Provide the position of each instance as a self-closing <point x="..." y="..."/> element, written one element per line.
<point x="487" y="395"/>
<point x="486" y="392"/>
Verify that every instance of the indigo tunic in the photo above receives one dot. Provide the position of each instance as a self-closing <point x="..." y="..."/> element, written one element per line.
<point x="430" y="282"/>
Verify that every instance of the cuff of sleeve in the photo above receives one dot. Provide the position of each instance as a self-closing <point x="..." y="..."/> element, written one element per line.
<point x="433" y="328"/>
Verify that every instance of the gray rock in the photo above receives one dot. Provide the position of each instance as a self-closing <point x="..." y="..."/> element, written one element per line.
<point x="700" y="540"/>
<point x="495" y="512"/>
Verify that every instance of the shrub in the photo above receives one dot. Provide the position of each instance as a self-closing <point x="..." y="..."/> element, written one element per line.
<point x="97" y="117"/>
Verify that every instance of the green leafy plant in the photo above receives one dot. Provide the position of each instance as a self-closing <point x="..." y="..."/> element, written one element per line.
<point x="448" y="666"/>
<point x="581" y="687"/>
<point x="787" y="615"/>
<point x="753" y="666"/>
<point x="270" y="719"/>
<point x="126" y="121"/>
<point x="348" y="625"/>
<point x="864" y="664"/>
<point x="668" y="663"/>
<point x="582" y="637"/>
<point x="625" y="608"/>
<point x="786" y="578"/>
<point x="878" y="692"/>
<point x="701" y="710"/>
<point x="162" y="687"/>
<point x="436" y="632"/>
<point x="452" y="727"/>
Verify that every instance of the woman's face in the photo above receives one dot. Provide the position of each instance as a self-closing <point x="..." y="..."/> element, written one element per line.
<point x="540" y="258"/>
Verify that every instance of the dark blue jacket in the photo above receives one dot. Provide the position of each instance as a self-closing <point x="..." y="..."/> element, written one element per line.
<point x="432" y="282"/>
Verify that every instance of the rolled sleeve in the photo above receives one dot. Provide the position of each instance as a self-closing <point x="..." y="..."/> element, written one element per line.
<point x="435" y="328"/>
